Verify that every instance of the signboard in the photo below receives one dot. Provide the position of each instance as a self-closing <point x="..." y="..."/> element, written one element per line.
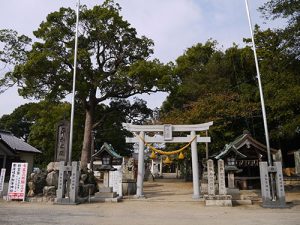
<point x="17" y="181"/>
<point x="62" y="141"/>
<point x="168" y="132"/>
<point x="2" y="176"/>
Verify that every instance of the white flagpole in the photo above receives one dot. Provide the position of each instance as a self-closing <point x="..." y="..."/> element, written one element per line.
<point x="260" y="88"/>
<point x="74" y="84"/>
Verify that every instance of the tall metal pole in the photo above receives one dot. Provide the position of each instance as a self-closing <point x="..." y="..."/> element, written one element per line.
<point x="74" y="83"/>
<point x="260" y="88"/>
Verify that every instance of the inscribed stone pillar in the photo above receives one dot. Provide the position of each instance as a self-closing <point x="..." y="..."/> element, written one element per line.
<point x="195" y="166"/>
<point x="141" y="167"/>
<point x="221" y="177"/>
<point x="264" y="181"/>
<point x="297" y="162"/>
<point x="210" y="177"/>
<point x="60" y="193"/>
<point x="279" y="184"/>
<point x="106" y="179"/>
<point x="75" y="173"/>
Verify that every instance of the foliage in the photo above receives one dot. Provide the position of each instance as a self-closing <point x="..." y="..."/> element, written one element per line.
<point x="290" y="11"/>
<point x="222" y="87"/>
<point x="281" y="84"/>
<point x="112" y="62"/>
<point x="19" y="121"/>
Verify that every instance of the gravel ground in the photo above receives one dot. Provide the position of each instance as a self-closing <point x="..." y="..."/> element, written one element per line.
<point x="165" y="203"/>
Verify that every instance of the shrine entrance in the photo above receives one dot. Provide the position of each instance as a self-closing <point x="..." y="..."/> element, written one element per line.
<point x="142" y="139"/>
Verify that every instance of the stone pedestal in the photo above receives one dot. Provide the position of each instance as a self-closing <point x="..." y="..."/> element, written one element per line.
<point x="106" y="194"/>
<point x="267" y="175"/>
<point x="218" y="200"/>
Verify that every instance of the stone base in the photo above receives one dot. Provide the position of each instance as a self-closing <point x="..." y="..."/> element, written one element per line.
<point x="217" y="200"/>
<point x="139" y="197"/>
<point x="100" y="199"/>
<point x="242" y="202"/>
<point x="217" y="197"/>
<point x="274" y="204"/>
<point x="64" y="201"/>
<point x="218" y="203"/>
<point x="105" y="189"/>
<point x="129" y="188"/>
<point x="234" y="192"/>
<point x="106" y="194"/>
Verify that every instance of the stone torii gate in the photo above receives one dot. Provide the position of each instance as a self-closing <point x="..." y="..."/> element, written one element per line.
<point x="167" y="130"/>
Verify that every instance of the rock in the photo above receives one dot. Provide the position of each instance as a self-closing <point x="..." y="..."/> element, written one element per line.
<point x="49" y="191"/>
<point x="31" y="188"/>
<point x="50" y="167"/>
<point x="83" y="177"/>
<point x="53" y="166"/>
<point x="39" y="181"/>
<point x="86" y="189"/>
<point x="52" y="179"/>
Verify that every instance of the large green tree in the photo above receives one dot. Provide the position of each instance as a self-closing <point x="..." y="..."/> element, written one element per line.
<point x="215" y="86"/>
<point x="288" y="10"/>
<point x="281" y="83"/>
<point x="19" y="121"/>
<point x="112" y="62"/>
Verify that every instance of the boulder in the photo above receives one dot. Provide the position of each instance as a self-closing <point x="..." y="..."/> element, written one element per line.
<point x="31" y="188"/>
<point x="52" y="166"/>
<point x="49" y="191"/>
<point x="52" y="178"/>
<point x="39" y="181"/>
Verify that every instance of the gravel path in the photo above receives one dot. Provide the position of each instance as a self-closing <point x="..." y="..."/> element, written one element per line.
<point x="166" y="203"/>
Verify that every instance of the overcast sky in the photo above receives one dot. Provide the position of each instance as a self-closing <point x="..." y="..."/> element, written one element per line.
<point x="173" y="25"/>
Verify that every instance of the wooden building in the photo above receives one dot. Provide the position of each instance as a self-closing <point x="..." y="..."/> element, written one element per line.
<point x="13" y="149"/>
<point x="243" y="156"/>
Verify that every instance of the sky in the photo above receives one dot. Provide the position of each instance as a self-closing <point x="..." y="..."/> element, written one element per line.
<point x="173" y="25"/>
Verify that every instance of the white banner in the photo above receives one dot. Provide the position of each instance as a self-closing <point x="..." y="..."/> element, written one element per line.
<point x="2" y="176"/>
<point x="17" y="181"/>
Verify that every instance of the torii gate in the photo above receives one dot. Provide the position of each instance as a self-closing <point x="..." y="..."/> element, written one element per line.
<point x="167" y="137"/>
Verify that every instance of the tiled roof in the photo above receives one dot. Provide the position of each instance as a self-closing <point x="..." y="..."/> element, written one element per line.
<point x="109" y="149"/>
<point x="244" y="139"/>
<point x="15" y="143"/>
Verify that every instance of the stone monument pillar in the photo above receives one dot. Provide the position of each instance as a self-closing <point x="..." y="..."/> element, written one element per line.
<point x="210" y="177"/>
<point x="279" y="184"/>
<point x="75" y="173"/>
<point x="297" y="162"/>
<point x="221" y="177"/>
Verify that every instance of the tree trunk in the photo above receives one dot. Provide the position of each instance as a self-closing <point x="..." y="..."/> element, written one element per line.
<point x="87" y="138"/>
